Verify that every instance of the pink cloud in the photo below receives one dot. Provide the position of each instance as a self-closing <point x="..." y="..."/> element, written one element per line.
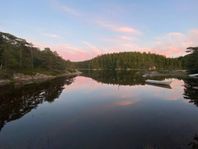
<point x="121" y="43"/>
<point x="174" y="44"/>
<point x="171" y="44"/>
<point x="73" y="53"/>
<point x="118" y="28"/>
<point x="70" y="52"/>
<point x="126" y="30"/>
<point x="123" y="37"/>
<point x="92" y="47"/>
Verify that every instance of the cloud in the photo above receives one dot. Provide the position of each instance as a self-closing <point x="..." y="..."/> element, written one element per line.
<point x="65" y="8"/>
<point x="174" y="44"/>
<point x="92" y="19"/>
<point x="121" y="43"/>
<point x="71" y="52"/>
<point x="51" y="35"/>
<point x="123" y="37"/>
<point x="118" y="28"/>
<point x="125" y="29"/>
<point x="92" y="47"/>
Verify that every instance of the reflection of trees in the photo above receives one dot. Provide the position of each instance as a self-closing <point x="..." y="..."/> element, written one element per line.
<point x="116" y="77"/>
<point x="194" y="144"/>
<point x="191" y="90"/>
<point x="16" y="102"/>
<point x="121" y="77"/>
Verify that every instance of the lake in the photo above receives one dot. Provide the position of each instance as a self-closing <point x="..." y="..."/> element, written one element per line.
<point x="100" y="110"/>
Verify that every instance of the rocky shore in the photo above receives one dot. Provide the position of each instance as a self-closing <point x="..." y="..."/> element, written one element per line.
<point x="22" y="79"/>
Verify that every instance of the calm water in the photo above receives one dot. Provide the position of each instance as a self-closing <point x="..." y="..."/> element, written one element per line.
<point x="100" y="110"/>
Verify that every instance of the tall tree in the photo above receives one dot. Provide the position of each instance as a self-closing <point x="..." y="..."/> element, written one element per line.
<point x="192" y="59"/>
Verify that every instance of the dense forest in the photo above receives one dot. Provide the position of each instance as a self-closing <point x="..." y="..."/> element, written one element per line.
<point x="17" y="55"/>
<point x="130" y="60"/>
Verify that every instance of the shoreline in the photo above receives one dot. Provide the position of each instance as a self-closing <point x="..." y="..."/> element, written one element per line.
<point x="21" y="79"/>
<point x="173" y="73"/>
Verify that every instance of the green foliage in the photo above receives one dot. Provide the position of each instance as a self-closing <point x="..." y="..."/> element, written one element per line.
<point x="191" y="60"/>
<point x="130" y="60"/>
<point x="17" y="55"/>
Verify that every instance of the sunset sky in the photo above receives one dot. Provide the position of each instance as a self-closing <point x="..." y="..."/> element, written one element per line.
<point x="82" y="29"/>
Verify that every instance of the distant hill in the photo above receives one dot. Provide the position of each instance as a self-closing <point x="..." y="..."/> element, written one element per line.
<point x="130" y="60"/>
<point x="18" y="55"/>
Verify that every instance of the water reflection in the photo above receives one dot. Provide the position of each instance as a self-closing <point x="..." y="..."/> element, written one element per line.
<point x="135" y="78"/>
<point x="95" y="115"/>
<point x="132" y="77"/>
<point x="191" y="90"/>
<point x="16" y="102"/>
<point x="194" y="143"/>
<point x="116" y="77"/>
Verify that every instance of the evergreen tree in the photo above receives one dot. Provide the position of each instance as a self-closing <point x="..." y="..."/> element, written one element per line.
<point x="130" y="60"/>
<point x="192" y="60"/>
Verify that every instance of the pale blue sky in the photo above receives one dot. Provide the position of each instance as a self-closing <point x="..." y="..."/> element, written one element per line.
<point x="81" y="29"/>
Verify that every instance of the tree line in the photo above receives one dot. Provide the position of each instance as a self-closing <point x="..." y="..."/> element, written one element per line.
<point x="130" y="60"/>
<point x="190" y="61"/>
<point x="17" y="55"/>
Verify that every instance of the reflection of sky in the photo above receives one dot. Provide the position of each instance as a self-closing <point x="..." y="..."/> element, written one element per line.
<point x="88" y="113"/>
<point x="137" y="92"/>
